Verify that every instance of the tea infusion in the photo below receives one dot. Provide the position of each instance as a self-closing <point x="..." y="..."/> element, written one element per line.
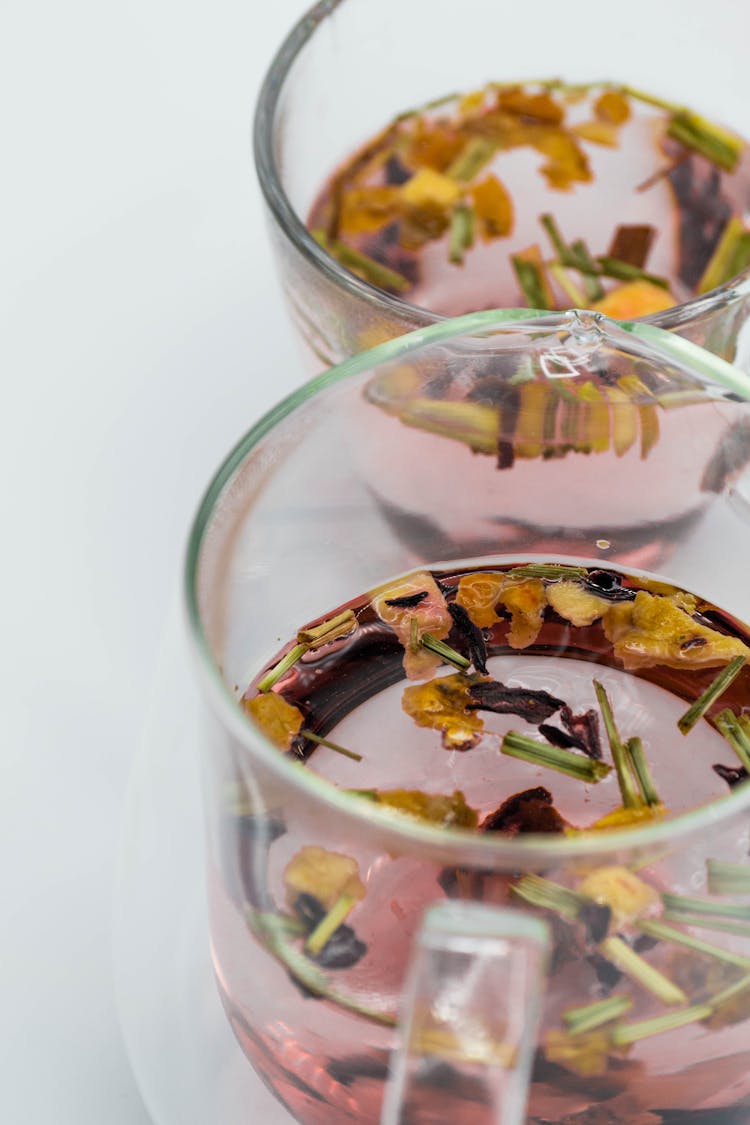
<point x="537" y="698"/>
<point x="545" y="194"/>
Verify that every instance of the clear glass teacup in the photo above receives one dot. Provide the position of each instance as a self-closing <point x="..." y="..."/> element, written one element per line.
<point x="349" y="67"/>
<point x="478" y="814"/>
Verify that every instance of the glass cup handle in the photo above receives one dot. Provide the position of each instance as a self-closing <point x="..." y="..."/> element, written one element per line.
<point x="469" y="1017"/>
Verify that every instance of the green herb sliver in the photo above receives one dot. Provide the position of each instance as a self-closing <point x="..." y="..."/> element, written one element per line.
<point x="331" y="745"/>
<point x="707" y="922"/>
<point x="444" y="651"/>
<point x="274" y="674"/>
<point x="532" y="283"/>
<point x="698" y="709"/>
<point x="736" y="735"/>
<point x="627" y="1033"/>
<point x="633" y="965"/>
<point x="730" y="258"/>
<point x="630" y="797"/>
<point x="330" y="922"/>
<point x="552" y="896"/>
<point x="461" y="236"/>
<point x="626" y="271"/>
<point x="517" y="745"/>
<point x="591" y="1016"/>
<point x="729" y="879"/>
<point x="716" y="144"/>
<point x="375" y="272"/>
<point x="663" y="932"/>
<point x="639" y="767"/>
<point x="547" y="570"/>
<point x="471" y="159"/>
<point x="705" y="907"/>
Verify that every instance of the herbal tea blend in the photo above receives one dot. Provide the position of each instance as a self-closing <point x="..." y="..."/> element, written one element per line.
<point x="528" y="698"/>
<point x="543" y="194"/>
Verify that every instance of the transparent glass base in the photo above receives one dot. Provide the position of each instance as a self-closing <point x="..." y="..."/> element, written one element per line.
<point x="188" y="1065"/>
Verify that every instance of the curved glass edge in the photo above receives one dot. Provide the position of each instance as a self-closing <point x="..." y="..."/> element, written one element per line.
<point x="290" y="223"/>
<point x="532" y="849"/>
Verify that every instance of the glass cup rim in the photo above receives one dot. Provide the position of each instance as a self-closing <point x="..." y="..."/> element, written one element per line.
<point x="288" y="220"/>
<point x="487" y="846"/>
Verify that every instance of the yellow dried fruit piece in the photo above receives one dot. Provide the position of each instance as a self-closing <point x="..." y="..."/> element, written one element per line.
<point x="624" y="420"/>
<point x="529" y="436"/>
<point x="634" y="299"/>
<point x="447" y="810"/>
<point x="681" y="598"/>
<point x="443" y="705"/>
<point x="323" y="874"/>
<point x="566" y="163"/>
<point x="623" y="892"/>
<point x="472" y="101"/>
<point x="430" y="614"/>
<point x="430" y="187"/>
<point x="586" y="1054"/>
<point x="652" y="630"/>
<point x="598" y="132"/>
<point x="493" y="208"/>
<point x="364" y="210"/>
<point x="539" y="107"/>
<point x="432" y="145"/>
<point x="423" y="224"/>
<point x="594" y="424"/>
<point x="479" y="595"/>
<point x="526" y="601"/>
<point x="575" y="603"/>
<point x="612" y="107"/>
<point x="278" y="720"/>
<point x="622" y="818"/>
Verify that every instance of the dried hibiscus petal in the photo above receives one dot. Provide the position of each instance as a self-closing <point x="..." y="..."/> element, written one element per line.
<point x="471" y="634"/>
<point x="532" y="705"/>
<point x="408" y="601"/>
<point x="529" y="811"/>
<point x="584" y="728"/>
<point x="342" y="949"/>
<point x="730" y="775"/>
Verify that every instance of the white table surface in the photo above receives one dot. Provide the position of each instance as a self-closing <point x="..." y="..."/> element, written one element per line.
<point x="142" y="331"/>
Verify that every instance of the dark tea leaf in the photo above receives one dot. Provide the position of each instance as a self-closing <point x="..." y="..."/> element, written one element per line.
<point x="472" y="634"/>
<point x="531" y="705"/>
<point x="529" y="811"/>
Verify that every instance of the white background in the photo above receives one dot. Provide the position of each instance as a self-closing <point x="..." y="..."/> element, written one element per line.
<point x="142" y="332"/>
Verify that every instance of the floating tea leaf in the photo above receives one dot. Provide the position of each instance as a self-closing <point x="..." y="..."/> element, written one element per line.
<point x="532" y="705"/>
<point x="631" y="243"/>
<point x="529" y="811"/>
<point x="471" y="634"/>
<point x="444" y="704"/>
<point x="278" y="720"/>
<point x="493" y="208"/>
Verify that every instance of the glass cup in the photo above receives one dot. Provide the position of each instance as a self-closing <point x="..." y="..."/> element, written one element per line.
<point x="350" y="66"/>
<point x="372" y="960"/>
